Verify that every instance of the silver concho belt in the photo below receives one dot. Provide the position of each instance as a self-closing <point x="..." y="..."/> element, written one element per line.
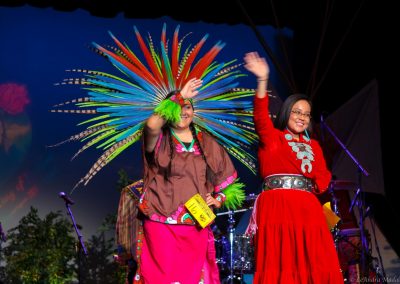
<point x="285" y="181"/>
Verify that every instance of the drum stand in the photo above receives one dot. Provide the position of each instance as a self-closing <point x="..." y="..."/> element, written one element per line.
<point x="240" y="264"/>
<point x="366" y="257"/>
<point x="335" y="209"/>
<point x="359" y="201"/>
<point x="231" y="233"/>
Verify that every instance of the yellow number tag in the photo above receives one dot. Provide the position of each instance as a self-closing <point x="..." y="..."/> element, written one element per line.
<point x="199" y="209"/>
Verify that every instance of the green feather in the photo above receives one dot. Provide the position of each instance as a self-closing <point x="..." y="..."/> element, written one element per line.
<point x="235" y="195"/>
<point x="169" y="110"/>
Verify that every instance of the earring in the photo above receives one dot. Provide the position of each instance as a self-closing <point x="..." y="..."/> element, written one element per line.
<point x="308" y="137"/>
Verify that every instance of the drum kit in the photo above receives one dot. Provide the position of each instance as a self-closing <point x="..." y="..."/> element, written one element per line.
<point x="347" y="232"/>
<point x="235" y="252"/>
<point x="352" y="239"/>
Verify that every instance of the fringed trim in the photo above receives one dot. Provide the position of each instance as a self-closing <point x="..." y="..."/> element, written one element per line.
<point x="170" y="108"/>
<point x="235" y="195"/>
<point x="129" y="229"/>
<point x="127" y="213"/>
<point x="252" y="226"/>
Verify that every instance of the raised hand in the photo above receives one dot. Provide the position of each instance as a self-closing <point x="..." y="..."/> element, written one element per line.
<point x="190" y="89"/>
<point x="256" y="65"/>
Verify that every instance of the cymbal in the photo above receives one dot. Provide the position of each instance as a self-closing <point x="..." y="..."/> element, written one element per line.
<point x="343" y="185"/>
<point x="248" y="204"/>
<point x="232" y="212"/>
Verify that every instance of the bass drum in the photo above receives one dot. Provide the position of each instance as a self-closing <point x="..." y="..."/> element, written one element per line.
<point x="349" y="247"/>
<point x="242" y="253"/>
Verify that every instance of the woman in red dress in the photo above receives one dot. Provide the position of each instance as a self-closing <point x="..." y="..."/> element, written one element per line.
<point x="292" y="241"/>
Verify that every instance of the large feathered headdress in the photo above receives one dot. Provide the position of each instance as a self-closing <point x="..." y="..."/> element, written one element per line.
<point x="121" y="102"/>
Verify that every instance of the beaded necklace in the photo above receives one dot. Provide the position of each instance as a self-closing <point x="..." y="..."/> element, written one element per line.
<point x="181" y="146"/>
<point x="303" y="151"/>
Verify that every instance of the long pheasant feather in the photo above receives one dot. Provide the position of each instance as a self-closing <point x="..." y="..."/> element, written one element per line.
<point x="119" y="102"/>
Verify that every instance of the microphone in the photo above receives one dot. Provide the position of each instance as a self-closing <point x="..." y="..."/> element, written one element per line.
<point x="66" y="198"/>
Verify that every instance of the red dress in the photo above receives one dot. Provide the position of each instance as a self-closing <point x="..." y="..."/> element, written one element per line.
<point x="293" y="243"/>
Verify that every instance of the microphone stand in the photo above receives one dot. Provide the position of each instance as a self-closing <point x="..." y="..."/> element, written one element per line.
<point x="80" y="245"/>
<point x="2" y="237"/>
<point x="359" y="200"/>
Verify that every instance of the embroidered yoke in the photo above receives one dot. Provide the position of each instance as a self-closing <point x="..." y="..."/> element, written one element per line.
<point x="164" y="198"/>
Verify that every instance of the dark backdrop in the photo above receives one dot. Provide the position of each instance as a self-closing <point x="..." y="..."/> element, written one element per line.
<point x="350" y="41"/>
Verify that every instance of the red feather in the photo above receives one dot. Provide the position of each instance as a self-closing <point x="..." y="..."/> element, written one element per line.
<point x="164" y="43"/>
<point x="126" y="63"/>
<point x="174" y="57"/>
<point x="134" y="59"/>
<point x="183" y="76"/>
<point x="148" y="57"/>
<point x="205" y="62"/>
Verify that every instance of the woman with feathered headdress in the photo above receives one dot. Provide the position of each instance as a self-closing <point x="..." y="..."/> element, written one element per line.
<point x="190" y="114"/>
<point x="181" y="161"/>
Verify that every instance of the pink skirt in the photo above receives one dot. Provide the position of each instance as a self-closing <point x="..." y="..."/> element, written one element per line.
<point x="177" y="254"/>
